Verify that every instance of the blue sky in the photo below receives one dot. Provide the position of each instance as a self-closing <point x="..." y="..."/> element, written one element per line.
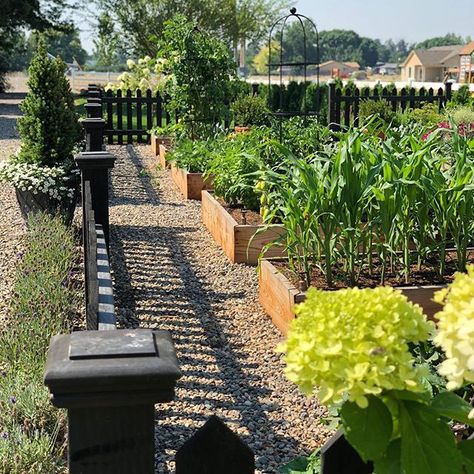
<point x="412" y="20"/>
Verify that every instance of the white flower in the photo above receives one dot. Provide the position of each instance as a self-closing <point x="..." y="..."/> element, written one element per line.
<point x="130" y="63"/>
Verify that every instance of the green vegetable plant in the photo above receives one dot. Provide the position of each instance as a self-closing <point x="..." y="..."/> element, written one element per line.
<point x="378" y="205"/>
<point x="351" y="348"/>
<point x="197" y="70"/>
<point x="250" y="110"/>
<point x="194" y="156"/>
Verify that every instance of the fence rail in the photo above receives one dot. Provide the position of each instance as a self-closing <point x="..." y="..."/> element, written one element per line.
<point x="344" y="104"/>
<point x="100" y="313"/>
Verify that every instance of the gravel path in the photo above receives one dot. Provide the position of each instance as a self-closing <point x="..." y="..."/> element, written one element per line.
<point x="169" y="274"/>
<point x="11" y="224"/>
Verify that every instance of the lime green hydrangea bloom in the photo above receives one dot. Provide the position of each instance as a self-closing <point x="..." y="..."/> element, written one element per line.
<point x="456" y="330"/>
<point x="354" y="342"/>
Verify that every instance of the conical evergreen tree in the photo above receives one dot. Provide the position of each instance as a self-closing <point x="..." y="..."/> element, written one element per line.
<point x="49" y="128"/>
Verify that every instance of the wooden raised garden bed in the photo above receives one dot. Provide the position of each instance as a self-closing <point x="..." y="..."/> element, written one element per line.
<point x="278" y="296"/>
<point x="234" y="238"/>
<point x="162" y="156"/>
<point x="156" y="141"/>
<point x="191" y="185"/>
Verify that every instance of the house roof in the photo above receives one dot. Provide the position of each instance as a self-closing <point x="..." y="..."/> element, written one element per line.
<point x="345" y="63"/>
<point x="437" y="56"/>
<point x="468" y="49"/>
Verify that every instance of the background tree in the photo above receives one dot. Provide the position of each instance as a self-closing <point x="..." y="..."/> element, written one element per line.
<point x="140" y="23"/>
<point x="107" y="43"/>
<point x="446" y="40"/>
<point x="17" y="15"/>
<point x="64" y="44"/>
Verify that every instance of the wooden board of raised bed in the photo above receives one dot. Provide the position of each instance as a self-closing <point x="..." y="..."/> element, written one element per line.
<point x="156" y="141"/>
<point x="190" y="185"/>
<point x="239" y="242"/>
<point x="162" y="156"/>
<point x="278" y="296"/>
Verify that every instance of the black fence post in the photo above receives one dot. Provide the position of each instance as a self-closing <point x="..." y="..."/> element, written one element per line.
<point x="109" y="382"/>
<point x="339" y="457"/>
<point x="94" y="168"/>
<point x="449" y="91"/>
<point x="332" y="119"/>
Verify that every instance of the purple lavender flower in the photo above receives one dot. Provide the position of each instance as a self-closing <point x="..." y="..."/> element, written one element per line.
<point x="4" y="435"/>
<point x="20" y="255"/>
<point x="12" y="400"/>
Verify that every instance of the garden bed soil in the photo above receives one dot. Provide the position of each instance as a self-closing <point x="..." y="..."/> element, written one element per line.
<point x="280" y="290"/>
<point x="241" y="216"/>
<point x="190" y="185"/>
<point x="237" y="240"/>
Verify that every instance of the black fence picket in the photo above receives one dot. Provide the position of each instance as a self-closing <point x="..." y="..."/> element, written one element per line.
<point x="129" y="116"/>
<point x="344" y="104"/>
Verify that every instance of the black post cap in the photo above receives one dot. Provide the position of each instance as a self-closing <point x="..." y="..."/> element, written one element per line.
<point x="93" y="110"/>
<point x="95" y="160"/>
<point x="111" y="368"/>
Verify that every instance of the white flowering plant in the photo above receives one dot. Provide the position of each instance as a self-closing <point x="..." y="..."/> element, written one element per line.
<point x="52" y="181"/>
<point x="143" y="74"/>
<point x="353" y="348"/>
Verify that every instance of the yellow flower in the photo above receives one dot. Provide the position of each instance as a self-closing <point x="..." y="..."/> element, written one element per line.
<point x="352" y="343"/>
<point x="456" y="329"/>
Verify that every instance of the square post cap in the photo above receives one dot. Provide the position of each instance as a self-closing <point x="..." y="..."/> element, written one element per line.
<point x="91" y="124"/>
<point x="93" y="110"/>
<point x="87" y="160"/>
<point x="111" y="368"/>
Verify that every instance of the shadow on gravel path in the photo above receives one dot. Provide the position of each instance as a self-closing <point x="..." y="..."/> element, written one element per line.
<point x="170" y="275"/>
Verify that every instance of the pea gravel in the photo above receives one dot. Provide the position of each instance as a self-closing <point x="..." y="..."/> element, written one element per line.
<point x="11" y="224"/>
<point x="169" y="274"/>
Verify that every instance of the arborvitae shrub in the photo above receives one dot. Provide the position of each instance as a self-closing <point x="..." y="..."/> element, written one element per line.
<point x="49" y="128"/>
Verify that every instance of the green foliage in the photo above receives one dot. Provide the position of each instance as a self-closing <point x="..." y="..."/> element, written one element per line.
<point x="428" y="115"/>
<point x="462" y="96"/>
<point x="234" y="166"/>
<point x="446" y="40"/>
<point x="250" y="110"/>
<point x="303" y="465"/>
<point x="63" y="44"/>
<point x="462" y="115"/>
<point x="400" y="198"/>
<point x="198" y="69"/>
<point x="49" y="127"/>
<point x="380" y="108"/>
<point x="194" y="156"/>
<point x="43" y="304"/>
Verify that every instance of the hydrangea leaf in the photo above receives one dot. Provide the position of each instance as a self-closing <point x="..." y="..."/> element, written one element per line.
<point x="428" y="445"/>
<point x="467" y="451"/>
<point x="452" y="406"/>
<point x="390" y="462"/>
<point x="368" y="429"/>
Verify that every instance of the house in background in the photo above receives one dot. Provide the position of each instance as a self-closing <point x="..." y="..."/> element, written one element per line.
<point x="466" y="63"/>
<point x="431" y="65"/>
<point x="338" y="68"/>
<point x="386" y="69"/>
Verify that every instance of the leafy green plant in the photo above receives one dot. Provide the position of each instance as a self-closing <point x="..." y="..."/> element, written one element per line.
<point x="234" y="168"/>
<point x="462" y="115"/>
<point x="250" y="110"/>
<point x="387" y="414"/>
<point x="428" y="114"/>
<point x="380" y="108"/>
<point x="462" y="96"/>
<point x="198" y="70"/>
<point x="362" y="204"/>
<point x="45" y="298"/>
<point x="303" y="465"/>
<point x="194" y="156"/>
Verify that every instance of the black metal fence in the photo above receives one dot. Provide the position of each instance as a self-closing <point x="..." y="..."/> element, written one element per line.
<point x="344" y="104"/>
